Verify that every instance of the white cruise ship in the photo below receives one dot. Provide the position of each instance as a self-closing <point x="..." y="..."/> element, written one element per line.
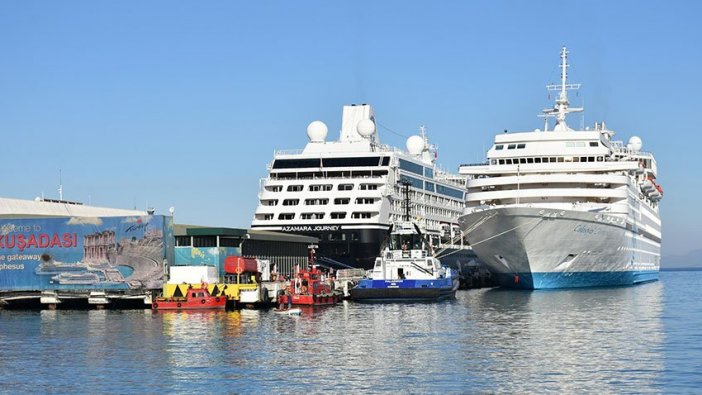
<point x="565" y="208"/>
<point x="348" y="192"/>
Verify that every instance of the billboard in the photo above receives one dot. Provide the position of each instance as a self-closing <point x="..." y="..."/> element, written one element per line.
<point x="86" y="253"/>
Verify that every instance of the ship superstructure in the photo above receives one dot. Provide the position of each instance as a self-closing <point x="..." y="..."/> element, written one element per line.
<point x="347" y="192"/>
<point x="565" y="208"/>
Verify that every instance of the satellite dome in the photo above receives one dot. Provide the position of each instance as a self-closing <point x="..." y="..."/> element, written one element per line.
<point x="365" y="128"/>
<point x="317" y="131"/>
<point x="635" y="143"/>
<point x="415" y="145"/>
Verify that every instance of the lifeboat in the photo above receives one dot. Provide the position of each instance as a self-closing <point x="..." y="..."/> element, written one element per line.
<point x="195" y="299"/>
<point x="648" y="186"/>
<point x="308" y="289"/>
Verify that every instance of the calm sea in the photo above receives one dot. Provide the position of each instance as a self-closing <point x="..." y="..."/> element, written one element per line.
<point x="640" y="339"/>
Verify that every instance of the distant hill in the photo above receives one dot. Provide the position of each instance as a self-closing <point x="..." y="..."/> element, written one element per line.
<point x="692" y="259"/>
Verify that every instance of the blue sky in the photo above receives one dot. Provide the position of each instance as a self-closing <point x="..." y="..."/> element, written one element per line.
<point x="183" y="103"/>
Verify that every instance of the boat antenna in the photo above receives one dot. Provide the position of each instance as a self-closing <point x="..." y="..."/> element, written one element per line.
<point x="562" y="107"/>
<point x="406" y="203"/>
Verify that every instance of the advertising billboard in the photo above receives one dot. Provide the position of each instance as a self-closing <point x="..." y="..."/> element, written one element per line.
<point x="93" y="253"/>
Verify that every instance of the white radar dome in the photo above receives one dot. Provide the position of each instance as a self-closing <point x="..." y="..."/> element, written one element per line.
<point x="415" y="145"/>
<point x="317" y="131"/>
<point x="366" y="128"/>
<point x="635" y="143"/>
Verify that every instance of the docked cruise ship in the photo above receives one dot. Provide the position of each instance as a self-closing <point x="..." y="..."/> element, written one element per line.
<point x="565" y="208"/>
<point x="348" y="192"/>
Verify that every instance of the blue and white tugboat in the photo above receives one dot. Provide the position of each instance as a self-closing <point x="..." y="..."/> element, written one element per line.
<point x="406" y="271"/>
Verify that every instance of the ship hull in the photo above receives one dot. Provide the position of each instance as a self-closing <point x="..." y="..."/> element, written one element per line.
<point x="539" y="248"/>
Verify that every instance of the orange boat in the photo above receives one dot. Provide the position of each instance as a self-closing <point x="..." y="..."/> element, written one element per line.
<point x="307" y="289"/>
<point x="194" y="299"/>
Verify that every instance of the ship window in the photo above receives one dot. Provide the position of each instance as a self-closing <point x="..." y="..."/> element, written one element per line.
<point x="417" y="183"/>
<point x="342" y="201"/>
<point x="508" y="161"/>
<point x="338" y="215"/>
<point x="306" y="216"/>
<point x="295" y="188"/>
<point x="271" y="202"/>
<point x="530" y="160"/>
<point x="345" y="187"/>
<point x="512" y="146"/>
<point x="499" y="147"/>
<point x="286" y="216"/>
<point x="554" y="159"/>
<point x="520" y="146"/>
<point x="316" y="202"/>
<point x="359" y="215"/>
<point x="594" y="143"/>
<point x="600" y="159"/>
<point x="323" y="187"/>
<point x="369" y="187"/>
<point x="355" y="162"/>
<point x="537" y="160"/>
<point x="573" y="159"/>
<point x="295" y="163"/>
<point x="502" y="161"/>
<point x="428" y="172"/>
<point x="590" y="158"/>
<point x="429" y="186"/>
<point x="274" y="188"/>
<point x="291" y="202"/>
<point x="364" y="200"/>
<point x="411" y="167"/>
<point x="522" y="160"/>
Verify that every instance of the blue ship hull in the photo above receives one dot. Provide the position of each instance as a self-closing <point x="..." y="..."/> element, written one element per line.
<point x="404" y="290"/>
<point x="575" y="279"/>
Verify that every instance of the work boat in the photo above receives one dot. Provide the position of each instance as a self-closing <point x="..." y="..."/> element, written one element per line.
<point x="406" y="270"/>
<point x="565" y="208"/>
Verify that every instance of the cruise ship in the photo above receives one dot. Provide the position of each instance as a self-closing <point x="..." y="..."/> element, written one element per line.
<point x="565" y="208"/>
<point x="348" y="192"/>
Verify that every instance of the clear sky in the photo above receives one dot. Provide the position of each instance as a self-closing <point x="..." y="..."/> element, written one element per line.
<point x="166" y="103"/>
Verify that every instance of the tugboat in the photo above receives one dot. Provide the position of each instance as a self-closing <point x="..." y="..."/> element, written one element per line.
<point x="406" y="271"/>
<point x="308" y="289"/>
<point x="195" y="299"/>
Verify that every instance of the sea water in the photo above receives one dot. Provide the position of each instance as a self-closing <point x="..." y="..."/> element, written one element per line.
<point x="639" y="339"/>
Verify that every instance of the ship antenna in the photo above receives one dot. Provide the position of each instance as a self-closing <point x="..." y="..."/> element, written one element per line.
<point x="406" y="203"/>
<point x="562" y="107"/>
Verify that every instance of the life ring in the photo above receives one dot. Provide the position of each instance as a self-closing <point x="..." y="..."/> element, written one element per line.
<point x="303" y="289"/>
<point x="217" y="299"/>
<point x="155" y="305"/>
<point x="178" y="305"/>
<point x="202" y="301"/>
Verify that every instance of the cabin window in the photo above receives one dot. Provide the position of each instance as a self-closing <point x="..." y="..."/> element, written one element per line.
<point x="317" y="188"/>
<point x="295" y="188"/>
<point x="520" y="146"/>
<point x="274" y="188"/>
<point x="512" y="146"/>
<point x="554" y="159"/>
<point x="316" y="202"/>
<point x="369" y="187"/>
<point x="364" y="200"/>
<point x="338" y="215"/>
<point x="562" y="159"/>
<point x="291" y="202"/>
<point x="522" y="160"/>
<point x="530" y="160"/>
<point x="286" y="216"/>
<point x="599" y="159"/>
<point x="345" y="187"/>
<point x="361" y="215"/>
<point x="499" y="147"/>
<point x="271" y="202"/>
<point x="342" y="201"/>
<point x="590" y="158"/>
<point x="502" y="161"/>
<point x="537" y="160"/>
<point x="594" y="143"/>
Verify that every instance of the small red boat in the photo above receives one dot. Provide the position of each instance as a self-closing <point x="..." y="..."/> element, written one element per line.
<point x="194" y="299"/>
<point x="308" y="289"/>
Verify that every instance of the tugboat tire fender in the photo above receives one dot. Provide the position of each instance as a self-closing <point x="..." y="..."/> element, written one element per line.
<point x="202" y="301"/>
<point x="155" y="305"/>
<point x="178" y="305"/>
